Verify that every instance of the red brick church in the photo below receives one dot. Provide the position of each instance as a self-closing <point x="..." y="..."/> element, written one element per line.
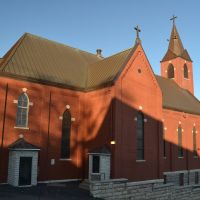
<point x="66" y="114"/>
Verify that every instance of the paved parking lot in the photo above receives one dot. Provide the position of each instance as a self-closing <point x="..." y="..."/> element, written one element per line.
<point x="64" y="191"/>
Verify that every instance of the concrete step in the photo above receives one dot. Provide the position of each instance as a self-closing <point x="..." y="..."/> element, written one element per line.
<point x="85" y="185"/>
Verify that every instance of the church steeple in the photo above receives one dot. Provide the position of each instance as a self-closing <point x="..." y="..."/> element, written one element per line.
<point x="177" y="64"/>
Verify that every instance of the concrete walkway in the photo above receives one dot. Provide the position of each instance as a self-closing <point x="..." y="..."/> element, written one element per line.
<point x="64" y="191"/>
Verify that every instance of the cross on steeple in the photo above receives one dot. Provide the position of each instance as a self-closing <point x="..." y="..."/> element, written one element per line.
<point x="137" y="34"/>
<point x="173" y="19"/>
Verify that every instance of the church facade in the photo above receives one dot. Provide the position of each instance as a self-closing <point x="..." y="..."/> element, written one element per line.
<point x="66" y="114"/>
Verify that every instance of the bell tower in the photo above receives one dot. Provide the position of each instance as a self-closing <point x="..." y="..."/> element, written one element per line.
<point x="177" y="64"/>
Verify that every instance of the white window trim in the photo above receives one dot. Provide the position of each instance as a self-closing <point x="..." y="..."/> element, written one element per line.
<point x="140" y="161"/>
<point x="27" y="112"/>
<point x="21" y="127"/>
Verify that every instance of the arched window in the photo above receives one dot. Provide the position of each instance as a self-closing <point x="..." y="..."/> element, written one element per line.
<point x="194" y="142"/>
<point x="140" y="136"/>
<point x="170" y="71"/>
<point x="185" y="69"/>
<point x="22" y="110"/>
<point x="66" y="129"/>
<point x="180" y="148"/>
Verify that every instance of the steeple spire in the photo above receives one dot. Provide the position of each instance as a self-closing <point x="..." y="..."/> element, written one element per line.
<point x="175" y="43"/>
<point x="137" y="40"/>
<point x="175" y="48"/>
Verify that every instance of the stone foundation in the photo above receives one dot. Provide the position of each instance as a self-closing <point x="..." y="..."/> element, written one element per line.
<point x="169" y="189"/>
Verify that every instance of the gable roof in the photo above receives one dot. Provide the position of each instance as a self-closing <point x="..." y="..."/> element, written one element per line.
<point x="100" y="150"/>
<point x="23" y="144"/>
<point x="177" y="98"/>
<point x="37" y="59"/>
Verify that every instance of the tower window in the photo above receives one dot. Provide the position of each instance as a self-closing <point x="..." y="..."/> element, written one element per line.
<point x="140" y="136"/>
<point x="66" y="129"/>
<point x="170" y="71"/>
<point x="185" y="69"/>
<point x="180" y="148"/>
<point x="22" y="111"/>
<point x="194" y="142"/>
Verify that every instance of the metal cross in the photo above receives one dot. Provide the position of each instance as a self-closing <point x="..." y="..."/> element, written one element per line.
<point x="173" y="19"/>
<point x="137" y="31"/>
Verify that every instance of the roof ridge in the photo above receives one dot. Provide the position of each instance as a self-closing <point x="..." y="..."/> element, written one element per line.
<point x="110" y="57"/>
<point x="59" y="43"/>
<point x="113" y="55"/>
<point x="11" y="52"/>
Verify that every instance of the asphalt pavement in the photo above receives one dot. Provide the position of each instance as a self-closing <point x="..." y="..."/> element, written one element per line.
<point x="64" y="191"/>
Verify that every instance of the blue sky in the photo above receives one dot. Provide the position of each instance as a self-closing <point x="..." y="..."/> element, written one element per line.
<point x="105" y="24"/>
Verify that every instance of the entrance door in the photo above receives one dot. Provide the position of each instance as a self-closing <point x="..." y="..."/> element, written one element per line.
<point x="25" y="169"/>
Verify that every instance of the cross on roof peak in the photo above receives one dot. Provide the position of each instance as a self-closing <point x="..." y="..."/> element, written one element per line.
<point x="173" y="19"/>
<point x="137" y="31"/>
<point x="137" y="40"/>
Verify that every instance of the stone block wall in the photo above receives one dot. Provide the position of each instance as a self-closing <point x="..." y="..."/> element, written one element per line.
<point x="174" y="177"/>
<point x="14" y="164"/>
<point x="151" y="190"/>
<point x="104" y="167"/>
<point x="192" y="175"/>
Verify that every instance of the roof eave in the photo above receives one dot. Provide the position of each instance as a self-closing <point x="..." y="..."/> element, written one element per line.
<point x="55" y="84"/>
<point x="164" y="60"/>
<point x="179" y="110"/>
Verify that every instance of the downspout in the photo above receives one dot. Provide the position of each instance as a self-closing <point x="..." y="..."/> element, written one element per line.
<point x="158" y="163"/>
<point x="49" y="118"/>
<point x="112" y="137"/>
<point x="171" y="166"/>
<point x="3" y="127"/>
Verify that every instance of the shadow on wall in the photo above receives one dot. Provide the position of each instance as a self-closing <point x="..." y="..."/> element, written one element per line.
<point x="120" y="125"/>
<point x="111" y="120"/>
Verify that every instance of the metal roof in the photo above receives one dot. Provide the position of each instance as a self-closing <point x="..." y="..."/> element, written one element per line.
<point x="175" y="48"/>
<point x="39" y="59"/>
<point x="177" y="98"/>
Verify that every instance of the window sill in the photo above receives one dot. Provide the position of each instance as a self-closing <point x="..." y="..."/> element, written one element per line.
<point x="140" y="161"/>
<point x="65" y="159"/>
<point x="181" y="157"/>
<point x="19" y="127"/>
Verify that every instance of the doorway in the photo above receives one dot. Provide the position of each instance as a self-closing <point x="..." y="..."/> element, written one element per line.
<point x="25" y="171"/>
